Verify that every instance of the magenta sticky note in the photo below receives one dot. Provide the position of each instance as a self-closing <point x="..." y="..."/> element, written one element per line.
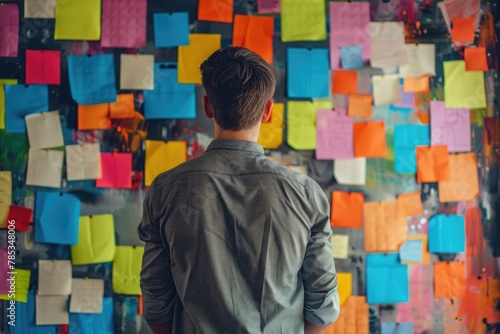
<point x="334" y="135"/>
<point x="268" y="6"/>
<point x="116" y="169"/>
<point x="124" y="23"/>
<point x="9" y="30"/>
<point x="451" y="127"/>
<point x="4" y="269"/>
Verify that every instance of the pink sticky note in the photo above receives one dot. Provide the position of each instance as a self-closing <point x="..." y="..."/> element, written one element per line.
<point x="116" y="171"/>
<point x="268" y="6"/>
<point x="334" y="131"/>
<point x="124" y="23"/>
<point x="451" y="127"/>
<point x="4" y="269"/>
<point x="349" y="25"/>
<point x="9" y="30"/>
<point x="43" y="67"/>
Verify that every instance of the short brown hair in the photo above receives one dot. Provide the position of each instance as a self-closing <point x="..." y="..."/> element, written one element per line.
<point x="238" y="83"/>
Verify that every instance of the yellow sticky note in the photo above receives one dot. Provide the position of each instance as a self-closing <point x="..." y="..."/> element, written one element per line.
<point x="200" y="47"/>
<point x="345" y="286"/>
<point x="340" y="246"/>
<point x="127" y="269"/>
<point x="163" y="156"/>
<point x="4" y="82"/>
<point x="301" y="123"/>
<point x="96" y="240"/>
<point x="78" y="20"/>
<point x="462" y="88"/>
<point x="22" y="277"/>
<point x="303" y="20"/>
<point x="271" y="133"/>
<point x="5" y="195"/>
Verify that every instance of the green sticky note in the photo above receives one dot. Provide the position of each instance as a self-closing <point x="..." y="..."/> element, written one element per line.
<point x="22" y="284"/>
<point x="301" y="123"/>
<point x="463" y="89"/>
<point x="78" y="20"/>
<point x="96" y="240"/>
<point x="127" y="270"/>
<point x="303" y="20"/>
<point x="4" y="82"/>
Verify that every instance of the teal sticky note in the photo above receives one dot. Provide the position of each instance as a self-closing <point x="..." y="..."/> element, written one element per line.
<point x="387" y="280"/>
<point x="406" y="139"/>
<point x="446" y="234"/>
<point x="351" y="57"/>
<point x="171" y="29"/>
<point x="26" y="319"/>
<point x="411" y="251"/>
<point x="308" y="73"/>
<point x="90" y="323"/>
<point x="23" y="100"/>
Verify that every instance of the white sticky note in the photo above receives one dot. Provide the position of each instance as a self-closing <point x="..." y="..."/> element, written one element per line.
<point x="40" y="9"/>
<point x="421" y="61"/>
<point x="44" y="130"/>
<point x="54" y="277"/>
<point x="386" y="89"/>
<point x="411" y="251"/>
<point x="52" y="310"/>
<point x="137" y="71"/>
<point x="340" y="246"/>
<point x="44" y="168"/>
<point x="350" y="171"/>
<point x="86" y="295"/>
<point x="5" y="195"/>
<point x="83" y="162"/>
<point x="387" y="44"/>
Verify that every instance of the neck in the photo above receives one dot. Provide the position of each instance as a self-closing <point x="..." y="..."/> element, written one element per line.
<point x="248" y="134"/>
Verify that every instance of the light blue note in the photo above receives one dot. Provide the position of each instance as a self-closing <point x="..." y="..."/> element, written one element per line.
<point x="91" y="323"/>
<point x="169" y="99"/>
<point x="171" y="29"/>
<point x="411" y="251"/>
<point x="446" y="234"/>
<point x="57" y="218"/>
<point x="23" y="100"/>
<point x="26" y="319"/>
<point x="308" y="73"/>
<point x="406" y="139"/>
<point x="396" y="328"/>
<point x="387" y="279"/>
<point x="92" y="78"/>
<point x="351" y="57"/>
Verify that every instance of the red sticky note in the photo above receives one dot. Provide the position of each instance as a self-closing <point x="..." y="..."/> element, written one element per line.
<point x="475" y="59"/>
<point x="216" y="11"/>
<point x="43" y="67"/>
<point x="22" y="217"/>
<point x="462" y="30"/>
<point x="345" y="82"/>
<point x="116" y="171"/>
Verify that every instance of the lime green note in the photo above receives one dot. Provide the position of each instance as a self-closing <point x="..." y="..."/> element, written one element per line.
<point x="127" y="270"/>
<point x="303" y="20"/>
<point x="4" y="82"/>
<point x="463" y="89"/>
<point x="96" y="240"/>
<point x="78" y="20"/>
<point x="22" y="277"/>
<point x="301" y="123"/>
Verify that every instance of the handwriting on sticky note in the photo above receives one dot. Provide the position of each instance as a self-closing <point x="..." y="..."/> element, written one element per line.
<point x="411" y="251"/>
<point x="86" y="295"/>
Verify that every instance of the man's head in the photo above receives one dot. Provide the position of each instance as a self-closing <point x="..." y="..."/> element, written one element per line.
<point x="239" y="85"/>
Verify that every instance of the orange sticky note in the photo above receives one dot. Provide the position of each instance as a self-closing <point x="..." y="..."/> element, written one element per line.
<point x="255" y="33"/>
<point x="123" y="107"/>
<point x="347" y="209"/>
<point x="369" y="140"/>
<point x="426" y="256"/>
<point x="384" y="225"/>
<point x="463" y="184"/>
<point x="475" y="59"/>
<point x="412" y="204"/>
<point x="93" y="117"/>
<point x="360" y="105"/>
<point x="354" y="318"/>
<point x="449" y="279"/>
<point x="345" y="82"/>
<point x="462" y="30"/>
<point x="416" y="85"/>
<point x="433" y="163"/>
<point x="215" y="10"/>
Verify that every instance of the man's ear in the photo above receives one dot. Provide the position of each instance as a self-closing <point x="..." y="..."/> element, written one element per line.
<point x="267" y="111"/>
<point x="207" y="108"/>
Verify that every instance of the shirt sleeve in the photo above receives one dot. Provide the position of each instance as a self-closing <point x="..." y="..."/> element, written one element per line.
<point x="158" y="289"/>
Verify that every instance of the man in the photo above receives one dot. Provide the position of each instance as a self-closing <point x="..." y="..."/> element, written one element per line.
<point x="236" y="243"/>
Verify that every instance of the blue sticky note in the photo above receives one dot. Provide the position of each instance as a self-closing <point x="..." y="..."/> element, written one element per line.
<point x="92" y="78"/>
<point x="446" y="234"/>
<point x="387" y="279"/>
<point x="26" y="319"/>
<point x="91" y="323"/>
<point x="406" y="139"/>
<point x="411" y="251"/>
<point x="169" y="99"/>
<point x="308" y="73"/>
<point x="23" y="100"/>
<point x="57" y="218"/>
<point x="171" y="29"/>
<point x="351" y="57"/>
<point x="396" y="328"/>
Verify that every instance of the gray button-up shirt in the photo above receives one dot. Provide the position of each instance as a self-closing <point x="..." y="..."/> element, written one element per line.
<point x="236" y="243"/>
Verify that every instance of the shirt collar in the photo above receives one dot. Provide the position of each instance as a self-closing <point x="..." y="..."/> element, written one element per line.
<point x="234" y="144"/>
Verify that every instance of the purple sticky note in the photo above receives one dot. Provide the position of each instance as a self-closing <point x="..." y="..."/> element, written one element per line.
<point x="124" y="23"/>
<point x="4" y="269"/>
<point x="451" y="127"/>
<point x="334" y="135"/>
<point x="9" y="30"/>
<point x="407" y="99"/>
<point x="268" y="6"/>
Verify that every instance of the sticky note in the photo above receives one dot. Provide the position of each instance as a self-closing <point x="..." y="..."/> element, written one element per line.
<point x="191" y="56"/>
<point x="451" y="127"/>
<point x="9" y="30"/>
<point x="340" y="246"/>
<point x="462" y="30"/>
<point x="369" y="139"/>
<point x="421" y="61"/>
<point x="83" y="162"/>
<point x="387" y="280"/>
<point x="412" y="203"/>
<point x="171" y="29"/>
<point x="334" y="132"/>
<point x="136" y="72"/>
<point x="360" y="105"/>
<point x="396" y="328"/>
<point x="449" y="280"/>
<point x="78" y="20"/>
<point x="350" y="171"/>
<point x="57" y="217"/>
<point x="406" y="139"/>
<point x="271" y="133"/>
<point x="255" y="33"/>
<point x="43" y="67"/>
<point x="124" y="107"/>
<point x="96" y="240"/>
<point x="301" y="123"/>
<point x="345" y="82"/>
<point x="116" y="171"/>
<point x="353" y="317"/>
<point x="5" y="195"/>
<point x="347" y="209"/>
<point x="384" y="226"/>
<point x="268" y="6"/>
<point x="51" y="310"/>
<point x="433" y="164"/>
<point x="302" y="21"/>
<point x="127" y="266"/>
<point x="407" y="99"/>
<point x="345" y="286"/>
<point x="40" y="9"/>
<point x="4" y="82"/>
<point x="307" y="73"/>
<point x="463" y="89"/>
<point x="86" y="295"/>
<point x="411" y="251"/>
<point x="423" y="240"/>
<point x="124" y="23"/>
<point x="463" y="184"/>
<point x="96" y="86"/>
<point x="163" y="156"/>
<point x="54" y="277"/>
<point x="215" y="11"/>
<point x="94" y="117"/>
<point x="22" y="277"/>
<point x="475" y="59"/>
<point x="446" y="234"/>
<point x="386" y="89"/>
<point x="27" y="312"/>
<point x="169" y="99"/>
<point x="88" y="323"/>
<point x="416" y="85"/>
<point x="351" y="57"/>
<point x="22" y="217"/>
<point x="22" y="100"/>
<point x="45" y="168"/>
<point x="44" y="130"/>
<point x="387" y="44"/>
